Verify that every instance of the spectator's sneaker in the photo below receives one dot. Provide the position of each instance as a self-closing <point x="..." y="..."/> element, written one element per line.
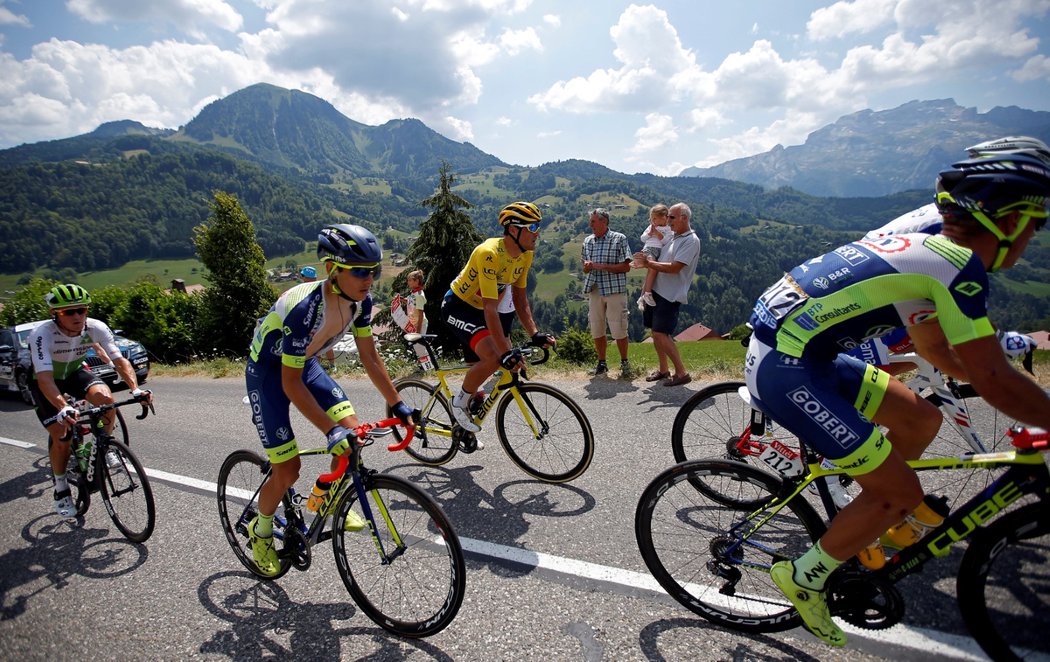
<point x="812" y="605"/>
<point x="463" y="417"/>
<point x="353" y="522"/>
<point x="647" y="299"/>
<point x="263" y="551"/>
<point x="625" y="368"/>
<point x="641" y="304"/>
<point x="600" y="369"/>
<point x="64" y="504"/>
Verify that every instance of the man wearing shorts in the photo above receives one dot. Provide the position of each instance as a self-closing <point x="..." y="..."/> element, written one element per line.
<point x="937" y="288"/>
<point x="606" y="260"/>
<point x="674" y="277"/>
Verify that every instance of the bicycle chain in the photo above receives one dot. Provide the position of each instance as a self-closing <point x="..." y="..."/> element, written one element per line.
<point x="864" y="600"/>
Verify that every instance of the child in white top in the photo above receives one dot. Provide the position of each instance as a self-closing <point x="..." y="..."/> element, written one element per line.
<point x="417" y="300"/>
<point x="655" y="237"/>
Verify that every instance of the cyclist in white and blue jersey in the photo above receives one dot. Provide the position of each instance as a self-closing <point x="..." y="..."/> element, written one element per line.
<point x="937" y="289"/>
<point x="283" y="369"/>
<point x="927" y="220"/>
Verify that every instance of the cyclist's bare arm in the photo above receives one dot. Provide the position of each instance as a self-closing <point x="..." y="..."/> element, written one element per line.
<point x="1001" y="385"/>
<point x="524" y="310"/>
<point x="931" y="344"/>
<point x="295" y="389"/>
<point x="376" y="369"/>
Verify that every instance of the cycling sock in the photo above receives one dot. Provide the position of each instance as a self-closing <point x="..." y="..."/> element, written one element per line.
<point x="61" y="483"/>
<point x="461" y="399"/>
<point x="813" y="568"/>
<point x="264" y="526"/>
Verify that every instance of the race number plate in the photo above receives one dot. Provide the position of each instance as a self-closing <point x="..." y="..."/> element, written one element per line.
<point x="782" y="459"/>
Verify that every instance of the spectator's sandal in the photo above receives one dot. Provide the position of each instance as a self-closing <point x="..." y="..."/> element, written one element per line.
<point x="678" y="381"/>
<point x="656" y="376"/>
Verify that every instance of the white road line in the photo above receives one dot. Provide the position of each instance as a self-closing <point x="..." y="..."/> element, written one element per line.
<point x="932" y="642"/>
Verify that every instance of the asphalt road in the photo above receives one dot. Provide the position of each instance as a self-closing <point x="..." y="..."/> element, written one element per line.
<point x="554" y="573"/>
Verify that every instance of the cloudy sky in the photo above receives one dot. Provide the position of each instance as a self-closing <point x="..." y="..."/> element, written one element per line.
<point x="637" y="87"/>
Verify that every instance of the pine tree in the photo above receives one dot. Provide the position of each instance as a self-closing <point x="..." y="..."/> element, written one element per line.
<point x="238" y="294"/>
<point x="446" y="239"/>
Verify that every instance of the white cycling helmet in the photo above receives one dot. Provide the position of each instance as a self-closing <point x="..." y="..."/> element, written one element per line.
<point x="1025" y="145"/>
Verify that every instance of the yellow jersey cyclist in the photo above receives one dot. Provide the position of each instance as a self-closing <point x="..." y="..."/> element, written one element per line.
<point x="471" y="306"/>
<point x="937" y="288"/>
<point x="283" y="368"/>
<point x="57" y="348"/>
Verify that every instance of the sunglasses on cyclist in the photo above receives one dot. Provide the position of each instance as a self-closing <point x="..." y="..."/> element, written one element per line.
<point x="531" y="227"/>
<point x="69" y="312"/>
<point x="364" y="272"/>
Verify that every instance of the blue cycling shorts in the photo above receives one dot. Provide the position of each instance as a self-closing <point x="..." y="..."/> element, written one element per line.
<point x="271" y="407"/>
<point x="829" y="404"/>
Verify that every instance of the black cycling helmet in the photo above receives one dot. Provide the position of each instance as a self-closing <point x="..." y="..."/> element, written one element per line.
<point x="990" y="187"/>
<point x="67" y="296"/>
<point x="348" y="245"/>
<point x="519" y="213"/>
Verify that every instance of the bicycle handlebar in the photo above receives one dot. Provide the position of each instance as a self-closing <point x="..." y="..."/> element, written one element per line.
<point x="361" y="431"/>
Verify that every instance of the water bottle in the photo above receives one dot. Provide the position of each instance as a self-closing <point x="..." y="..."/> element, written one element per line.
<point x="927" y="517"/>
<point x="873" y="556"/>
<point x="317" y="495"/>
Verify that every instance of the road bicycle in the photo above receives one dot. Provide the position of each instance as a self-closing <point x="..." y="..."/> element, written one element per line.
<point x="719" y="421"/>
<point x="542" y="429"/>
<point x="709" y="531"/>
<point x="406" y="571"/>
<point x="101" y="463"/>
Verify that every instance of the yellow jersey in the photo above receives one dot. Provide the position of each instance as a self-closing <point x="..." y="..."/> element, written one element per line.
<point x="489" y="271"/>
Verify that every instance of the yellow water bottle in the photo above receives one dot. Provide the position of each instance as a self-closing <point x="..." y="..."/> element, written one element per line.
<point x="317" y="495"/>
<point x="927" y="517"/>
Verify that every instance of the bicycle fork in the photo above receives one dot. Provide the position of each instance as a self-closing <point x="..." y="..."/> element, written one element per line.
<point x="400" y="547"/>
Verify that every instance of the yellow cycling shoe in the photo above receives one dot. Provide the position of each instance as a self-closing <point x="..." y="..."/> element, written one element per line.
<point x="263" y="552"/>
<point x="353" y="522"/>
<point x="812" y="605"/>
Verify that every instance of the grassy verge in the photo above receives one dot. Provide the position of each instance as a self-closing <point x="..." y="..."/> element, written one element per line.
<point x="707" y="360"/>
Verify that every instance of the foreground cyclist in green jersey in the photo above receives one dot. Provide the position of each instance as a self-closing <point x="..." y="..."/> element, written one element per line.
<point x="283" y="369"/>
<point x="471" y="306"/>
<point x="57" y="348"/>
<point x="991" y="207"/>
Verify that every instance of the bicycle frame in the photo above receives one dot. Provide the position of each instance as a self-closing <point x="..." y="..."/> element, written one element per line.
<point x="1028" y="473"/>
<point x="507" y="382"/>
<point x="947" y="391"/>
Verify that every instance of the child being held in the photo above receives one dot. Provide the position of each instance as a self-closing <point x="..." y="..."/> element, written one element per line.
<point x="655" y="237"/>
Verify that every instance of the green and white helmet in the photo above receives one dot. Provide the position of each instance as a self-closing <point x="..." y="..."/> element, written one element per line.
<point x="65" y="296"/>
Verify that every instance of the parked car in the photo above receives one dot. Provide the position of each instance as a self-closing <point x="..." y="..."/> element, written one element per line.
<point x="16" y="366"/>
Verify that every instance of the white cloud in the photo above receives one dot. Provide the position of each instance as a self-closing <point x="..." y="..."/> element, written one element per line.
<point x="659" y="131"/>
<point x="456" y="129"/>
<point x="1035" y="68"/>
<point x="8" y="17"/>
<point x="515" y="42"/>
<point x="188" y="15"/>
<point x="552" y="20"/>
<point x="843" y="18"/>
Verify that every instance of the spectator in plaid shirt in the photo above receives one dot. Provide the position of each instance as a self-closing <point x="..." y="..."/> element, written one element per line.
<point x="606" y="261"/>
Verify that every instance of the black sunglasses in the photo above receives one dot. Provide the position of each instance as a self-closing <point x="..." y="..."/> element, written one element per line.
<point x="363" y="272"/>
<point x="69" y="312"/>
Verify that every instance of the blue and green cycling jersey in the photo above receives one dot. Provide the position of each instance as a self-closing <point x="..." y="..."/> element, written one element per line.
<point x="287" y="334"/>
<point x="836" y="301"/>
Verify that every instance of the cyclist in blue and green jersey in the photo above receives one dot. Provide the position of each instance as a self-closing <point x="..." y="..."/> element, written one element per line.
<point x="934" y="287"/>
<point x="283" y="368"/>
<point x="57" y="348"/>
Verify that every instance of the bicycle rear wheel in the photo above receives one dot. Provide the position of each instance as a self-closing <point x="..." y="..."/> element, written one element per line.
<point x="432" y="443"/>
<point x="126" y="492"/>
<point x="241" y="476"/>
<point x="1002" y="585"/>
<point x="408" y="574"/>
<point x="548" y="436"/>
<point x="703" y="552"/>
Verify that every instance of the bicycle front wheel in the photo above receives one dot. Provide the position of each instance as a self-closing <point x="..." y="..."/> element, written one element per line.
<point x="713" y="422"/>
<point x="711" y="553"/>
<point x="546" y="433"/>
<point x="241" y="476"/>
<point x="120" y="428"/>
<point x="126" y="492"/>
<point x="432" y="444"/>
<point x="407" y="574"/>
<point x="1002" y="585"/>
